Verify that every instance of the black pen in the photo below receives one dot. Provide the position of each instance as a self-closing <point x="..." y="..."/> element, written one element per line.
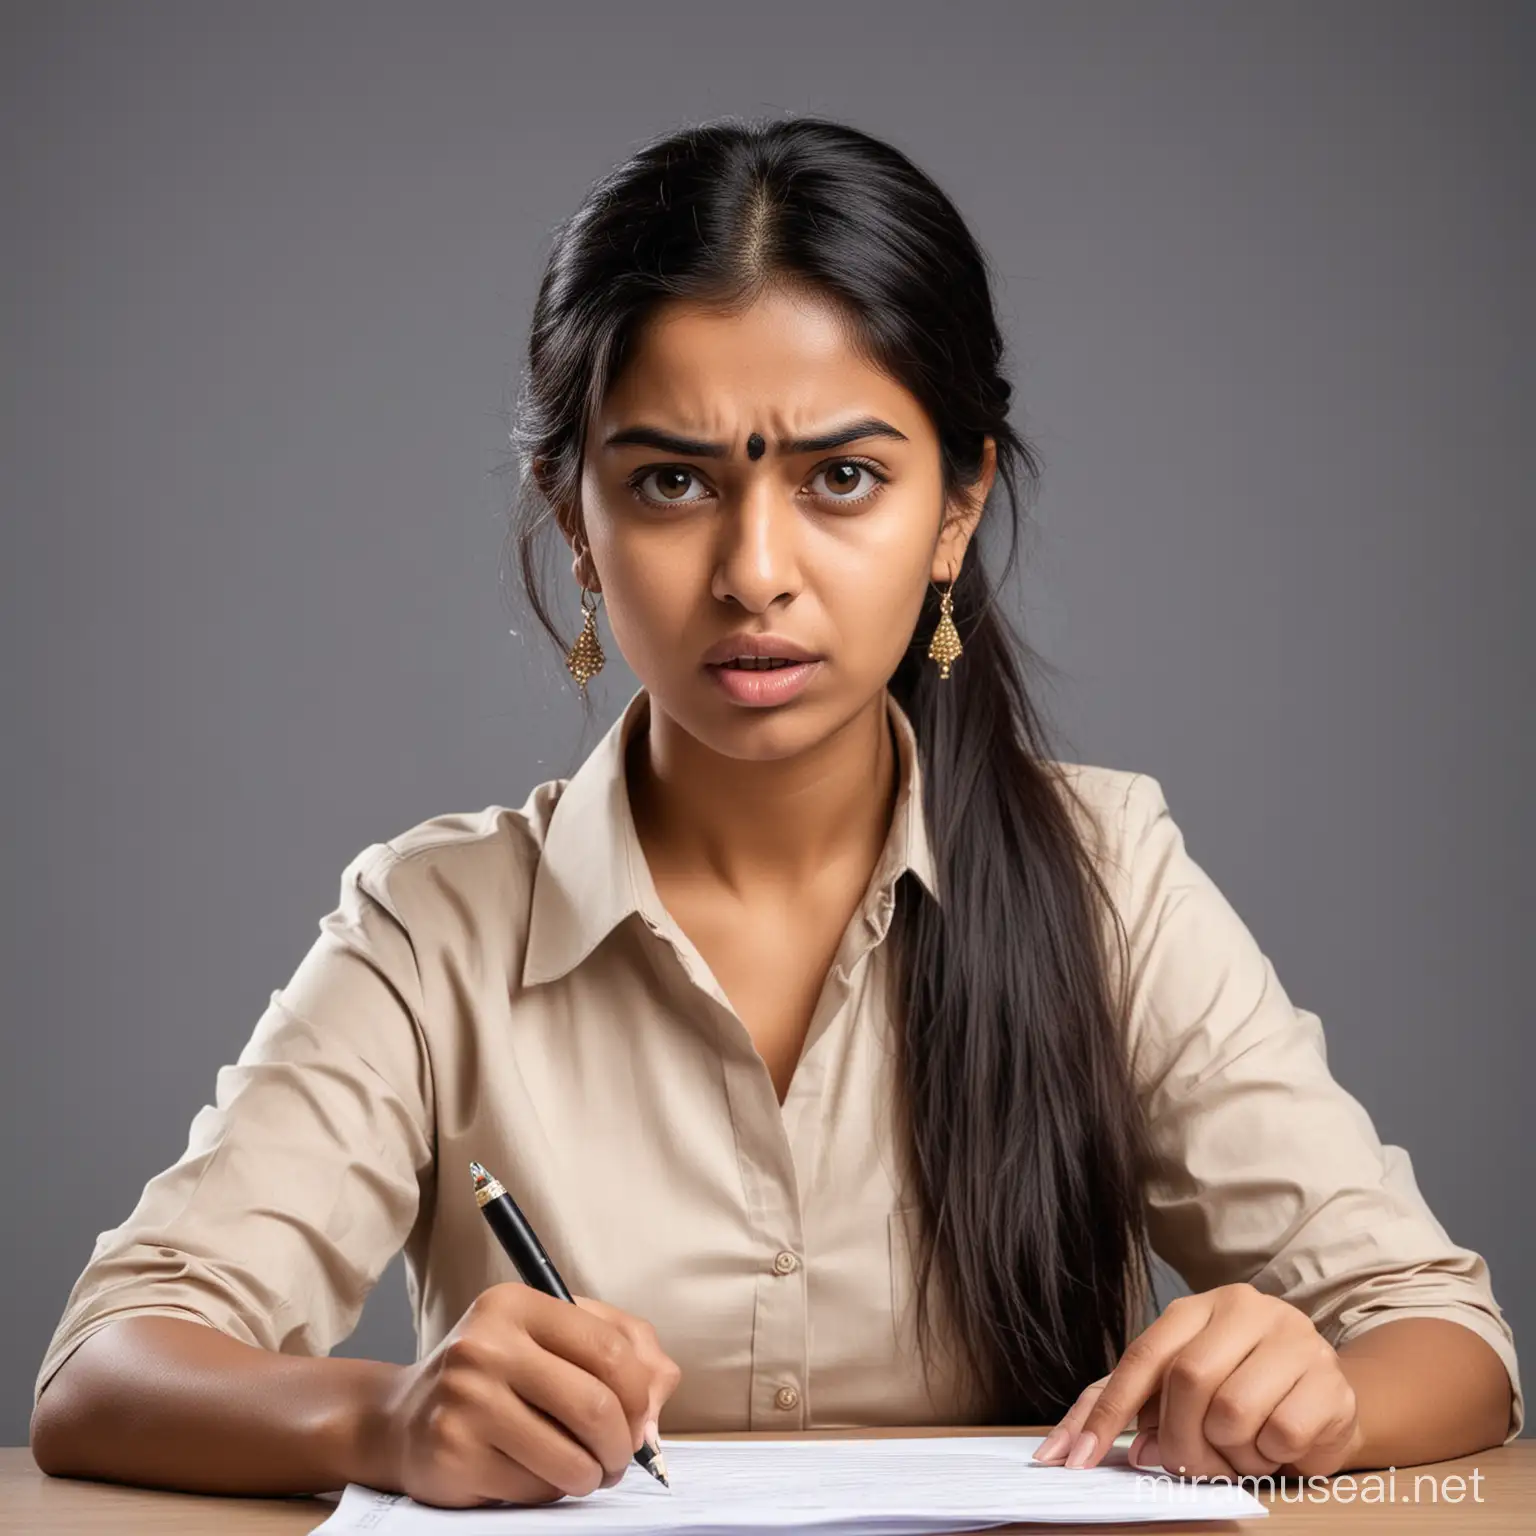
<point x="534" y="1265"/>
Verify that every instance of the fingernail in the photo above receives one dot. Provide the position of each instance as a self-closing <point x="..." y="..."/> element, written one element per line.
<point x="652" y="1436"/>
<point x="1082" y="1448"/>
<point x="1053" y="1444"/>
<point x="1147" y="1454"/>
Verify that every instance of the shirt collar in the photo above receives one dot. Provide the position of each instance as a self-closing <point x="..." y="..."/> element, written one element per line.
<point x="592" y="872"/>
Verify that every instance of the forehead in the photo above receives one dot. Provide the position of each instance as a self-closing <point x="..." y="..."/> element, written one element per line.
<point x="786" y="361"/>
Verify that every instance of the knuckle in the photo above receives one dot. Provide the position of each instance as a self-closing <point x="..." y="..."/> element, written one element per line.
<point x="1285" y="1436"/>
<point x="525" y="1486"/>
<point x="586" y="1477"/>
<point x="488" y="1303"/>
<point x="437" y="1422"/>
<point x="508" y="1306"/>
<point x="613" y="1349"/>
<point x="1228" y="1416"/>
<point x="456" y="1449"/>
<point x="597" y="1405"/>
<point x="567" y="1470"/>
<point x="455" y="1389"/>
<point x="462" y="1352"/>
<point x="1186" y="1374"/>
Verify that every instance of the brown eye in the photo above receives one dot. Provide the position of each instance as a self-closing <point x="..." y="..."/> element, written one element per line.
<point x="672" y="479"/>
<point x="843" y="477"/>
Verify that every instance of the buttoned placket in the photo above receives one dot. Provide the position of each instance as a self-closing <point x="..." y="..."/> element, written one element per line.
<point x="777" y="1148"/>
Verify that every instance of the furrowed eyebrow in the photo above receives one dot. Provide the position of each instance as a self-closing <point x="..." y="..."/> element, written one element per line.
<point x="696" y="448"/>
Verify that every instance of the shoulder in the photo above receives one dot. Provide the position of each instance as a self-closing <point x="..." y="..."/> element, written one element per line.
<point x="1112" y="809"/>
<point x="459" y="873"/>
<point x="1137" y="851"/>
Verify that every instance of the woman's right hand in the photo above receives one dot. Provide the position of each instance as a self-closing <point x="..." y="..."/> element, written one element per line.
<point x="527" y="1399"/>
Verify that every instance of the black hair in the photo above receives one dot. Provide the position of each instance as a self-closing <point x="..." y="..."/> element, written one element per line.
<point x="1022" y="1129"/>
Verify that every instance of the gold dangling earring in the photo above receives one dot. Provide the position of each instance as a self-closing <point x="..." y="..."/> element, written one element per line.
<point x="945" y="646"/>
<point x="585" y="658"/>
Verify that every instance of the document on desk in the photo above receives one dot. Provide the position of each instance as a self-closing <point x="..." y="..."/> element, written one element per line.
<point x="895" y="1487"/>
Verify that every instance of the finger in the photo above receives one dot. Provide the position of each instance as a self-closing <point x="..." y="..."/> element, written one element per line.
<point x="1136" y="1377"/>
<point x="1241" y="1404"/>
<point x="579" y="1430"/>
<point x="529" y="1422"/>
<point x="1180" y="1458"/>
<point x="1143" y="1449"/>
<point x="1308" y="1426"/>
<point x="1191" y="1381"/>
<point x="585" y="1337"/>
<point x="1056" y="1444"/>
<point x="665" y="1373"/>
<point x="519" y="1455"/>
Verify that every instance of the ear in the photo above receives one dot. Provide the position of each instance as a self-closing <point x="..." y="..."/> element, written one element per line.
<point x="572" y="530"/>
<point x="962" y="518"/>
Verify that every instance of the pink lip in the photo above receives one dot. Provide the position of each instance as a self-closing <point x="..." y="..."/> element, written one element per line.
<point x="748" y="643"/>
<point x="761" y="689"/>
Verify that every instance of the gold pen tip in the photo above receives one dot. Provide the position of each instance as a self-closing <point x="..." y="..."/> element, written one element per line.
<point x="487" y="1186"/>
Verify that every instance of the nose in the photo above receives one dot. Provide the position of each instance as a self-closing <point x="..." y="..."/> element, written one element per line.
<point x="757" y="559"/>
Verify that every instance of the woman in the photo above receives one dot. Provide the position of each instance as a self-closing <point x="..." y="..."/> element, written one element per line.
<point x="850" y="1054"/>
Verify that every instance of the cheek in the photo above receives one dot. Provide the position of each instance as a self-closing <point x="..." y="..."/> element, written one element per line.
<point x="874" y="598"/>
<point x="650" y="589"/>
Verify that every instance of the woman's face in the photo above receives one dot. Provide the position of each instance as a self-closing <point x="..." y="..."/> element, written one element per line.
<point x="831" y="548"/>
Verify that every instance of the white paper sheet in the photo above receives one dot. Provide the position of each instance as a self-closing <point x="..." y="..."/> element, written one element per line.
<point x="896" y="1487"/>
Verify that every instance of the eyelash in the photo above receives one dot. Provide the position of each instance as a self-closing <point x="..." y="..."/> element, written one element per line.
<point x="640" y="476"/>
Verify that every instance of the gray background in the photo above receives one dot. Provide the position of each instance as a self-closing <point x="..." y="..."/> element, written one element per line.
<point x="264" y="280"/>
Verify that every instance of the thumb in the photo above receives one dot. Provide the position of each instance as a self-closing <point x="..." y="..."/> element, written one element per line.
<point x="663" y="1385"/>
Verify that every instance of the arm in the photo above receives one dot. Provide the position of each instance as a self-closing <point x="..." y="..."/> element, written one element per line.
<point x="186" y="1352"/>
<point x="168" y="1403"/>
<point x="1267" y="1171"/>
<point x="1425" y="1390"/>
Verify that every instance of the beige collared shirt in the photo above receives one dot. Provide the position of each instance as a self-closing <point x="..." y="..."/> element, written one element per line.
<point x="506" y="986"/>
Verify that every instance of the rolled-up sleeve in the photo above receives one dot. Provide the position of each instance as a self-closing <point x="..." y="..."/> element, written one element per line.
<point x="304" y="1177"/>
<point x="1265" y="1169"/>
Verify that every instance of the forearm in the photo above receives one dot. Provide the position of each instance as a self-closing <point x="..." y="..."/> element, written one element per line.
<point x="1426" y="1389"/>
<point x="168" y="1403"/>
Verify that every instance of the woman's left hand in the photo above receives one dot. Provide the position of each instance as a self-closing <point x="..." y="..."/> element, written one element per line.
<point x="1230" y="1382"/>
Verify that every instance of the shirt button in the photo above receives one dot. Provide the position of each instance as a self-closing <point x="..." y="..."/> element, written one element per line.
<point x="786" y="1397"/>
<point x="785" y="1263"/>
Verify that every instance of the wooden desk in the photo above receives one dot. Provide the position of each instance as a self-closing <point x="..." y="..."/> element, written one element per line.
<point x="32" y="1504"/>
